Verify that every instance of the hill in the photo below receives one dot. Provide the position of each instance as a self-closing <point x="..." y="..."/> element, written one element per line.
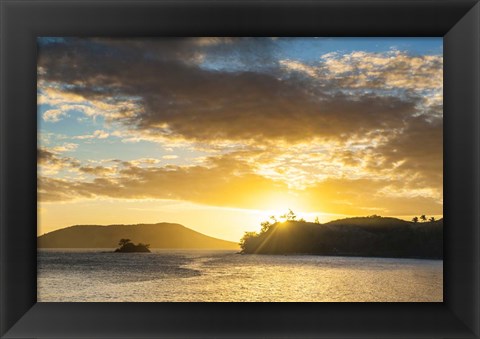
<point x="162" y="235"/>
<point x="365" y="236"/>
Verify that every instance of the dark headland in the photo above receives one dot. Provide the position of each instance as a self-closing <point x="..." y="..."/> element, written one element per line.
<point x="161" y="235"/>
<point x="373" y="236"/>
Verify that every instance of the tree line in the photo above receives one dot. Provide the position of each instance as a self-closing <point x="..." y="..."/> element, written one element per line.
<point x="423" y="218"/>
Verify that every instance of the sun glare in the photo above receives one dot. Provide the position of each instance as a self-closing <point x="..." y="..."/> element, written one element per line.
<point x="278" y="204"/>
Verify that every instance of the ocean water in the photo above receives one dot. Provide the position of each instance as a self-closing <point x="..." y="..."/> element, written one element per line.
<point x="199" y="275"/>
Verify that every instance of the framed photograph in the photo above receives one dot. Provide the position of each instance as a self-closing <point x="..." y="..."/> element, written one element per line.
<point x="240" y="169"/>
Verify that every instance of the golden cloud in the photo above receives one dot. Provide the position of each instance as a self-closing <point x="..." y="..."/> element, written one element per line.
<point x="352" y="132"/>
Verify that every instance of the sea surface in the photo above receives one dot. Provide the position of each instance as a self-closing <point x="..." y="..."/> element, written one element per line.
<point x="200" y="275"/>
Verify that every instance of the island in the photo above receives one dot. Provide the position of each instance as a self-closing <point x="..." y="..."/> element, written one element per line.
<point x="372" y="236"/>
<point x="160" y="235"/>
<point x="126" y="246"/>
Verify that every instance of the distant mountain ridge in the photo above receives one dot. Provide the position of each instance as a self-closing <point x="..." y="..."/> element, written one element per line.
<point x="160" y="235"/>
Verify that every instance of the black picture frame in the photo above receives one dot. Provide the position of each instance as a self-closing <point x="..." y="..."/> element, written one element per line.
<point x="458" y="21"/>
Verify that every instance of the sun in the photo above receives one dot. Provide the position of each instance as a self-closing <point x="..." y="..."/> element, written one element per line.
<point x="279" y="204"/>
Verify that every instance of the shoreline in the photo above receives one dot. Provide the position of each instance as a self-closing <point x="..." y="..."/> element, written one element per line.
<point x="342" y="255"/>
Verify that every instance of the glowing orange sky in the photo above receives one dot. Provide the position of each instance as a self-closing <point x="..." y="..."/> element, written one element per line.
<point x="219" y="133"/>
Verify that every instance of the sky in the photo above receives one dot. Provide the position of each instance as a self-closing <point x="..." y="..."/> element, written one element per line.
<point x="218" y="134"/>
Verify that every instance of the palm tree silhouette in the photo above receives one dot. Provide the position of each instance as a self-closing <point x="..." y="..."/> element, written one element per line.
<point x="123" y="242"/>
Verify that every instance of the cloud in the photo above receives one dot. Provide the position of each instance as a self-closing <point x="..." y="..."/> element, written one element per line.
<point x="66" y="147"/>
<point x="50" y="162"/>
<point x="97" y="170"/>
<point x="98" y="134"/>
<point x="361" y="126"/>
<point x="224" y="181"/>
<point x="297" y="66"/>
<point x="53" y="115"/>
<point x="366" y="70"/>
<point x="57" y="95"/>
<point x="176" y="99"/>
<point x="143" y="162"/>
<point x="218" y="184"/>
<point x="212" y="41"/>
<point x="368" y="196"/>
<point x="418" y="149"/>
